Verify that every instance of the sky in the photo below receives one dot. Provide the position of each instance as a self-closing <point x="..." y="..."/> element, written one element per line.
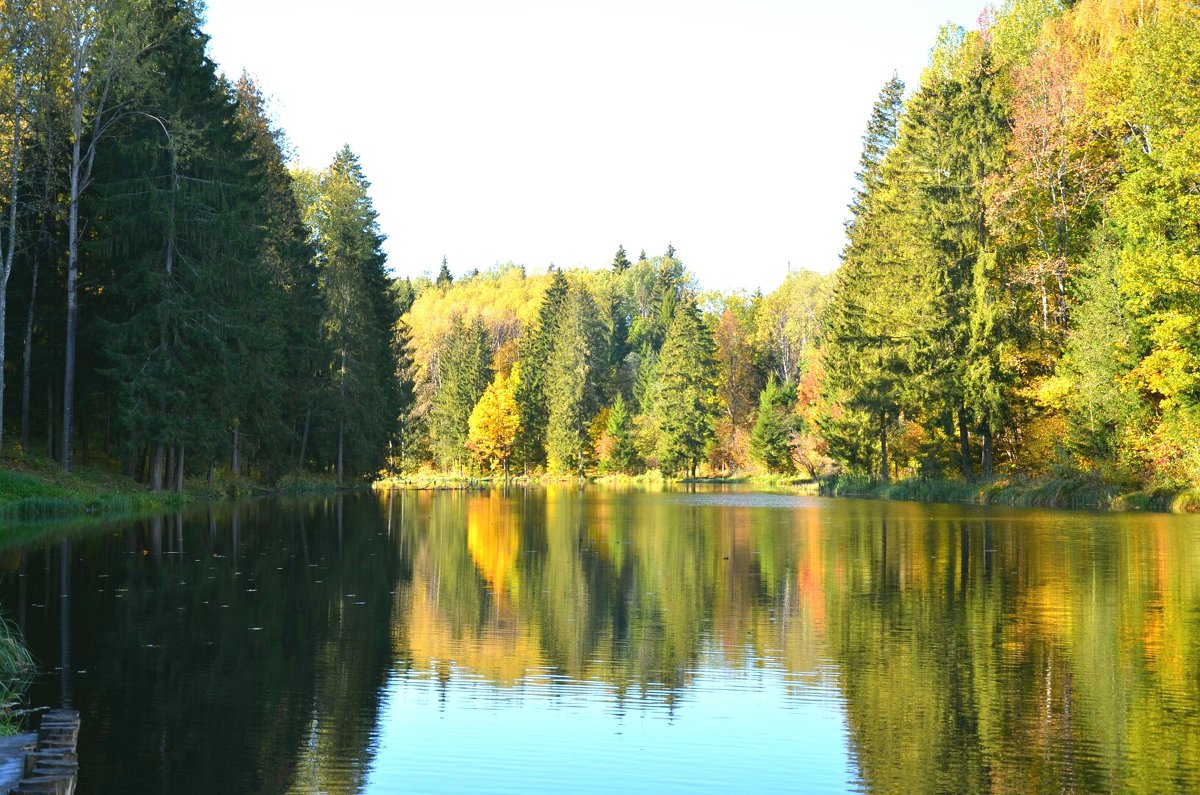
<point x="551" y="131"/>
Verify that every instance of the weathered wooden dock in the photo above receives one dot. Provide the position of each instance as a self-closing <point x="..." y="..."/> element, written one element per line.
<point x="52" y="768"/>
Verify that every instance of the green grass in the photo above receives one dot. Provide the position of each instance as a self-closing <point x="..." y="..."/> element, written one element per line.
<point x="16" y="672"/>
<point x="1061" y="490"/>
<point x="36" y="490"/>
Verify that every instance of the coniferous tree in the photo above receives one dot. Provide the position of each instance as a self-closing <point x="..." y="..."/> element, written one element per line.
<point x="684" y="403"/>
<point x="180" y="205"/>
<point x="870" y="353"/>
<point x="464" y="372"/>
<point x="620" y="262"/>
<point x="575" y="380"/>
<point x="622" y="453"/>
<point x="531" y="394"/>
<point x="771" y="436"/>
<point x="360" y="318"/>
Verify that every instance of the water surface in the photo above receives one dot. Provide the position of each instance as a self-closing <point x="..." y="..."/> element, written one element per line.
<point x="590" y="640"/>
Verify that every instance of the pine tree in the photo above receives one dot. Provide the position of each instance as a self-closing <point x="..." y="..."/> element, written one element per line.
<point x="771" y="436"/>
<point x="180" y="248"/>
<point x="575" y="380"/>
<point x="873" y="326"/>
<point x="536" y="350"/>
<point x="684" y="404"/>
<point x="463" y="374"/>
<point x="360" y="317"/>
<point x="622" y="454"/>
<point x="620" y="262"/>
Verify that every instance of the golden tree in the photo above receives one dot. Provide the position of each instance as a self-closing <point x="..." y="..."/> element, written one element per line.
<point x="493" y="425"/>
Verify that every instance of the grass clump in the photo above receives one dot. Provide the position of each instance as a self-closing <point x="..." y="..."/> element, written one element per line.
<point x="16" y="672"/>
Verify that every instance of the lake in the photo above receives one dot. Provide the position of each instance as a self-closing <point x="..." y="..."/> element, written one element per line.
<point x="566" y="639"/>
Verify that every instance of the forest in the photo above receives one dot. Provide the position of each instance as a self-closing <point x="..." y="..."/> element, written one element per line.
<point x="1018" y="297"/>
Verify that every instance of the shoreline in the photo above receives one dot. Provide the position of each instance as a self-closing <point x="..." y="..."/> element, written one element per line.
<point x="1078" y="492"/>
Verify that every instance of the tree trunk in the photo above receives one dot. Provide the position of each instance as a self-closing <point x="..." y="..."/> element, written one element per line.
<point x="170" y="476"/>
<point x="72" y="290"/>
<point x="83" y="439"/>
<point x="156" y="467"/>
<point x="987" y="464"/>
<point x="27" y="364"/>
<point x="236" y="464"/>
<point x="341" y="448"/>
<point x="885" y="476"/>
<point x="964" y="445"/>
<point x="304" y="437"/>
<point x="179" y="471"/>
<point x="50" y="418"/>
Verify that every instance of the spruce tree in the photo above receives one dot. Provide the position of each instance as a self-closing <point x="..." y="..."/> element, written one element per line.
<point x="536" y="349"/>
<point x="684" y="404"/>
<point x="464" y="370"/>
<point x="575" y="380"/>
<point x="771" y="436"/>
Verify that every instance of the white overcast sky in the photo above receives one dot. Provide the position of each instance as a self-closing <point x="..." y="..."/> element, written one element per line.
<point x="542" y="131"/>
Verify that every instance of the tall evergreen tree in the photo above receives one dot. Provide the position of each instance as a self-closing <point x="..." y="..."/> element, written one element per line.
<point x="183" y="219"/>
<point x="531" y="395"/>
<point x="771" y="436"/>
<point x="360" y="317"/>
<point x="575" y="381"/>
<point x="464" y="372"/>
<point x="684" y="403"/>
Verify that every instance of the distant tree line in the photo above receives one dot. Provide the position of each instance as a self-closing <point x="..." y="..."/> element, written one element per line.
<point x="613" y="370"/>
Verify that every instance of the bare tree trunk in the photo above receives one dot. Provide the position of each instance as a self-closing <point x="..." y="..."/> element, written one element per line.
<point x="237" y="452"/>
<point x="179" y="471"/>
<point x="964" y="445"/>
<point x="27" y="364"/>
<point x="341" y="449"/>
<point x="72" y="288"/>
<point x="156" y="468"/>
<point x="304" y="437"/>
<point x="10" y="253"/>
<point x="170" y="476"/>
<point x="50" y="418"/>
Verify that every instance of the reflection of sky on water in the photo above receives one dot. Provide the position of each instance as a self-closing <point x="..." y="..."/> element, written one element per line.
<point x="728" y="731"/>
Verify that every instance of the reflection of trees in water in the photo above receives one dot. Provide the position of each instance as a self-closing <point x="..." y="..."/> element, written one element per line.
<point x="621" y="589"/>
<point x="213" y="625"/>
<point x="975" y="652"/>
<point x="1010" y="654"/>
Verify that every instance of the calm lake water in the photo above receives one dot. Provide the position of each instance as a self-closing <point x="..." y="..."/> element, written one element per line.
<point x="589" y="640"/>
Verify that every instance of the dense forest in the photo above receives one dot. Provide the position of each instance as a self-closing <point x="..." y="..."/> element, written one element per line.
<point x="1019" y="295"/>
<point x="177" y="298"/>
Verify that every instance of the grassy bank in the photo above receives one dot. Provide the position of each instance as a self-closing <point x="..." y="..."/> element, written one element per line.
<point x="1060" y="491"/>
<point x="36" y="489"/>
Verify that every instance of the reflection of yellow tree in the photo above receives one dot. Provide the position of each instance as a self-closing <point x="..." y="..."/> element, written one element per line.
<point x="494" y="541"/>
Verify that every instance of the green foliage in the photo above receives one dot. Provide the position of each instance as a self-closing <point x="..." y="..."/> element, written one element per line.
<point x="622" y="454"/>
<point x="463" y="373"/>
<point x="771" y="437"/>
<point x="575" y="380"/>
<point x="537" y="349"/>
<point x="684" y="401"/>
